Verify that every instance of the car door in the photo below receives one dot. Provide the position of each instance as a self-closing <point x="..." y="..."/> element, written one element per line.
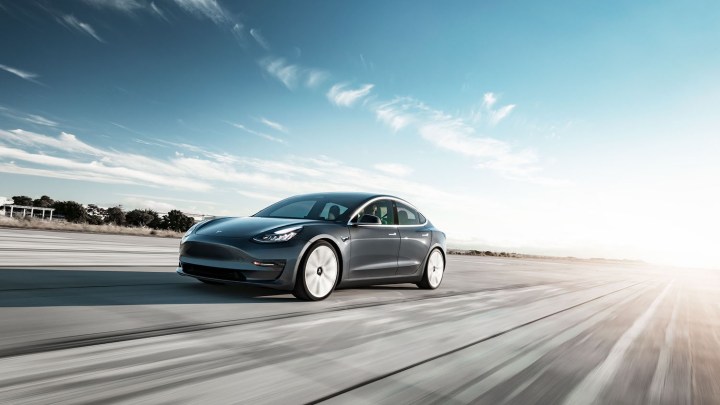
<point x="414" y="240"/>
<point x="374" y="247"/>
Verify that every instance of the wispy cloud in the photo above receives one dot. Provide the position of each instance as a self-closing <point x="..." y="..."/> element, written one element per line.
<point x="498" y="115"/>
<point x="291" y="75"/>
<point x="157" y="10"/>
<point x="274" y="125"/>
<point x="209" y="9"/>
<point x="238" y="31"/>
<point x="40" y="120"/>
<point x="315" y="78"/>
<point x="31" y="118"/>
<point x="457" y="135"/>
<point x="20" y="73"/>
<point x="257" y="36"/>
<point x="487" y="111"/>
<point x="340" y="96"/>
<point x="281" y="70"/>
<point x="72" y="22"/>
<point x="257" y="133"/>
<point x="120" y="5"/>
<point x="489" y="100"/>
<point x="394" y="169"/>
<point x="394" y="114"/>
<point x="67" y="157"/>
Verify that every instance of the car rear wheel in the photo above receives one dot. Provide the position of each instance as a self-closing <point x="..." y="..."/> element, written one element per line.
<point x="318" y="273"/>
<point x="434" y="270"/>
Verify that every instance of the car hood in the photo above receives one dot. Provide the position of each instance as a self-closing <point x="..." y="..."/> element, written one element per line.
<point x="247" y="226"/>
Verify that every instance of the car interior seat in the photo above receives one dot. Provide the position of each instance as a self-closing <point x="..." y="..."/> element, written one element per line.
<point x="403" y="218"/>
<point x="333" y="213"/>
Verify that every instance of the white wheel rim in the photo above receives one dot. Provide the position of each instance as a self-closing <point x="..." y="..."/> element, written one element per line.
<point x="435" y="268"/>
<point x="321" y="270"/>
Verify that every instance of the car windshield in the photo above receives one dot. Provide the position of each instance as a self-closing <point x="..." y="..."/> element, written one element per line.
<point x="318" y="207"/>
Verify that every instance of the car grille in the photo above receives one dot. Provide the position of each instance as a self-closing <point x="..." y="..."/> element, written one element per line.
<point x="212" y="272"/>
<point x="208" y="251"/>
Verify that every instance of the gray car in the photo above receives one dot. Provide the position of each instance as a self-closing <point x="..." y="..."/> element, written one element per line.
<point x="311" y="244"/>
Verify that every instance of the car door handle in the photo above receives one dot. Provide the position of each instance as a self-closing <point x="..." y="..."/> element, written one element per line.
<point x="392" y="234"/>
<point x="424" y="235"/>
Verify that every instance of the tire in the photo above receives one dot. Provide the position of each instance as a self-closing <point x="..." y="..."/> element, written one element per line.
<point x="210" y="282"/>
<point x="434" y="270"/>
<point x="318" y="273"/>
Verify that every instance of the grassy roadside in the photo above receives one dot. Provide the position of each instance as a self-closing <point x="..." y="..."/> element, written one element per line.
<point x="87" y="228"/>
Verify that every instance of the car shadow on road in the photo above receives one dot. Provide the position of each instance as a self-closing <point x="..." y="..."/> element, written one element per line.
<point x="29" y="287"/>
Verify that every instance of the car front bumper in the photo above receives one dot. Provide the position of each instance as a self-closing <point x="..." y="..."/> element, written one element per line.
<point x="235" y="260"/>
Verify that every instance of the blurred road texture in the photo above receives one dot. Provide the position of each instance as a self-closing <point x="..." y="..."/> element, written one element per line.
<point x="102" y="318"/>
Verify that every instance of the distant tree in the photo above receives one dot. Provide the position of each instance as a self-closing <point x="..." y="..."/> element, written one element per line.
<point x="71" y="210"/>
<point x="115" y="215"/>
<point x="141" y="217"/>
<point x="44" y="202"/>
<point x="94" y="220"/>
<point x="94" y="210"/>
<point x="177" y="221"/>
<point x="22" y="200"/>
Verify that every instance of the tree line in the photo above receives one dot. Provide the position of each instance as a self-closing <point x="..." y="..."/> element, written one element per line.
<point x="75" y="212"/>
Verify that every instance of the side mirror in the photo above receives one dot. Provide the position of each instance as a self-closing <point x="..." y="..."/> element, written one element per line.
<point x="368" y="219"/>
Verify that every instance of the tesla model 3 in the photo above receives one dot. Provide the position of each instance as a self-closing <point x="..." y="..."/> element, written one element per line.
<point x="311" y="244"/>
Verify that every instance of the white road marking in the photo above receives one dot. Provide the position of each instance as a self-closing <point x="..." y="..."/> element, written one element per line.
<point x="589" y="389"/>
<point x="661" y="376"/>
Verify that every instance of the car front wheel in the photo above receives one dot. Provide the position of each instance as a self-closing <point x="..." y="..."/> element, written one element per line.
<point x="318" y="273"/>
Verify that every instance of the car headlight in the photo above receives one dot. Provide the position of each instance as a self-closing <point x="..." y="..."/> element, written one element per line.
<point x="281" y="235"/>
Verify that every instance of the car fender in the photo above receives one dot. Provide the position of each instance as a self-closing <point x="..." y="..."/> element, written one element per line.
<point x="339" y="244"/>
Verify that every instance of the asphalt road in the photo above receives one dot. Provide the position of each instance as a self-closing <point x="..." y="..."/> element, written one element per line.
<point x="100" y="318"/>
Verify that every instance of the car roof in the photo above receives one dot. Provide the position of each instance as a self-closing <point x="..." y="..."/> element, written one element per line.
<point x="360" y="196"/>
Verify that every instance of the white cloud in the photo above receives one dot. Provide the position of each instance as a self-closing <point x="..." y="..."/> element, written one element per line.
<point x="209" y="9"/>
<point x="19" y="73"/>
<point x="142" y="203"/>
<point x="291" y="75"/>
<point x="257" y="36"/>
<point x="487" y="109"/>
<point x="498" y="115"/>
<point x="120" y="5"/>
<point x="157" y="10"/>
<point x="40" y="120"/>
<point x="238" y="31"/>
<point x="274" y="125"/>
<point x="339" y="96"/>
<point x="46" y="156"/>
<point x="257" y="133"/>
<point x="31" y="118"/>
<point x="259" y="196"/>
<point x="85" y="28"/>
<point x="489" y="100"/>
<point x="394" y="169"/>
<point x="457" y="135"/>
<point x="281" y="70"/>
<point x="393" y="114"/>
<point x="315" y="78"/>
<point x="88" y="162"/>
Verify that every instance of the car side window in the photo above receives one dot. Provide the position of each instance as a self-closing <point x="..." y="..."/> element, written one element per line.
<point x="332" y="211"/>
<point x="407" y="215"/>
<point x="382" y="209"/>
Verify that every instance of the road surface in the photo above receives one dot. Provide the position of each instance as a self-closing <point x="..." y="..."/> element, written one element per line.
<point x="103" y="318"/>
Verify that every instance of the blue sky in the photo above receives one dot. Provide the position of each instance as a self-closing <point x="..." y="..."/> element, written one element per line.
<point x="577" y="128"/>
